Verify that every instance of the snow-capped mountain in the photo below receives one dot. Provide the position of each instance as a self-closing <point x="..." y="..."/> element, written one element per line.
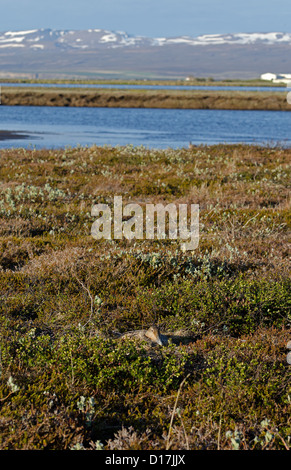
<point x="94" y="52"/>
<point x="96" y="38"/>
<point x="46" y="38"/>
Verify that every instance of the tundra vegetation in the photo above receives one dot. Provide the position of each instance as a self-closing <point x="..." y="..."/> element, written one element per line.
<point x="67" y="381"/>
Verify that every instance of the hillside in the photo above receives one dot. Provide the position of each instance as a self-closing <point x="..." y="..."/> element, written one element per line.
<point x="97" y="53"/>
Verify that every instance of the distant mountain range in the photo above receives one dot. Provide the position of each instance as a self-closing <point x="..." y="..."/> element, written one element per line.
<point x="99" y="53"/>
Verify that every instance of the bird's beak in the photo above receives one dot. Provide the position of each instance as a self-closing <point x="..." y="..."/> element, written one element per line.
<point x="159" y="341"/>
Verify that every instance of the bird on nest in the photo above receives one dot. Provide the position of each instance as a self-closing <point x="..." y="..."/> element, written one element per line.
<point x="153" y="336"/>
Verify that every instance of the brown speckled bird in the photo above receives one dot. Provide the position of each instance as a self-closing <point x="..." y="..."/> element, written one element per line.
<point x="154" y="336"/>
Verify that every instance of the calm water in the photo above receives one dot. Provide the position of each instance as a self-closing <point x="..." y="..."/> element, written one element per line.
<point x="147" y="87"/>
<point x="55" y="127"/>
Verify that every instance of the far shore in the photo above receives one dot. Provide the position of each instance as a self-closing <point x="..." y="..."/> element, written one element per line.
<point x="170" y="99"/>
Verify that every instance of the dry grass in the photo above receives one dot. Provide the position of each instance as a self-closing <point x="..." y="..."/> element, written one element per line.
<point x="171" y="99"/>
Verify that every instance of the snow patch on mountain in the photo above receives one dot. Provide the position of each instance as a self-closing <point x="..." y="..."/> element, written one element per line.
<point x="96" y="38"/>
<point x="20" y="33"/>
<point x="218" y="39"/>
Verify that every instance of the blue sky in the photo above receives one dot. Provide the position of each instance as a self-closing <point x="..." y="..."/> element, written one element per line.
<point x="153" y="18"/>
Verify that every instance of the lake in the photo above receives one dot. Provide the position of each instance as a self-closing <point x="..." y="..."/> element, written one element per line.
<point x="56" y="127"/>
<point x="148" y="87"/>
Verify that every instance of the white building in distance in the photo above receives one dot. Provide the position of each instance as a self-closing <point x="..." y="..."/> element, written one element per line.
<point x="277" y="78"/>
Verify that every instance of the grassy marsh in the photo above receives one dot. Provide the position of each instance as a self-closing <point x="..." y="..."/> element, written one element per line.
<point x="137" y="98"/>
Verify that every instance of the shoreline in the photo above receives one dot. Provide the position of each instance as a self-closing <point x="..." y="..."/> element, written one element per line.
<point x="228" y="100"/>
<point x="148" y="81"/>
<point x="13" y="135"/>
